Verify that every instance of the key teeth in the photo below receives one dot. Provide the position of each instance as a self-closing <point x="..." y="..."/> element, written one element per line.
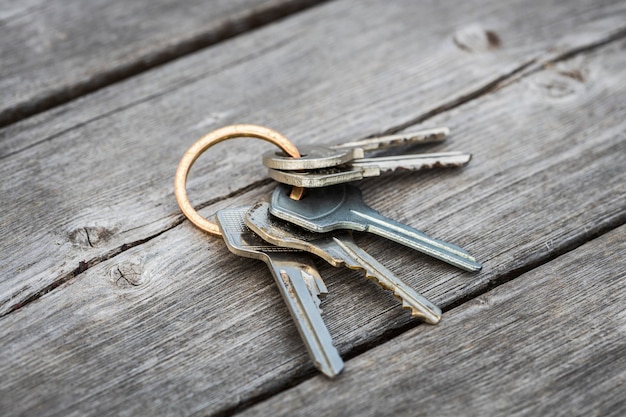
<point x="417" y="313"/>
<point x="316" y="288"/>
<point x="405" y="305"/>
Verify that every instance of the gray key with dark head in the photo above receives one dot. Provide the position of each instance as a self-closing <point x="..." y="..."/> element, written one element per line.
<point x="298" y="281"/>
<point x="339" y="249"/>
<point x="342" y="207"/>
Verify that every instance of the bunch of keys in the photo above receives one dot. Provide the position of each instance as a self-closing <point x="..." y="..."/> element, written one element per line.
<point x="293" y="225"/>
<point x="321" y="166"/>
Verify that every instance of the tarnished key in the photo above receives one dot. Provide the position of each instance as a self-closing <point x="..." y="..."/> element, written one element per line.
<point x="316" y="156"/>
<point x="341" y="207"/>
<point x="338" y="248"/>
<point x="298" y="281"/>
<point x="358" y="169"/>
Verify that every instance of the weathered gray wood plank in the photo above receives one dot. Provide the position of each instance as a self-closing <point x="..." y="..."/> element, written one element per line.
<point x="549" y="343"/>
<point x="177" y="325"/>
<point x="92" y="178"/>
<point x="56" y="51"/>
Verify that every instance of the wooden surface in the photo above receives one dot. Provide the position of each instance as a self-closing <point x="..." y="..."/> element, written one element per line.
<point x="55" y="51"/>
<point x="113" y="305"/>
<point x="530" y="347"/>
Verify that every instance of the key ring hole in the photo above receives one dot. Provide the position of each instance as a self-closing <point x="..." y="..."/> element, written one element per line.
<point x="283" y="154"/>
<point x="204" y="143"/>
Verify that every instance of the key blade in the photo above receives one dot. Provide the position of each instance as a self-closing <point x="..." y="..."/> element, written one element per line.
<point x="340" y="250"/>
<point x="375" y="166"/>
<point x="311" y="327"/>
<point x="342" y="207"/>
<point x="315" y="157"/>
<point x="419" y="241"/>
<point x="361" y="168"/>
<point x="357" y="259"/>
<point x="298" y="281"/>
<point x="409" y="138"/>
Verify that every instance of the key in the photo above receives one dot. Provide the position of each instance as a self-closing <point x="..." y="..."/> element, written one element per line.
<point x="342" y="207"/>
<point x="339" y="249"/>
<point x="419" y="137"/>
<point x="316" y="157"/>
<point x="358" y="169"/>
<point x="298" y="281"/>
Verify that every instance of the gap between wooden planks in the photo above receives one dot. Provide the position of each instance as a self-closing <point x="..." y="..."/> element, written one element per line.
<point x="123" y="340"/>
<point x="56" y="51"/>
<point x="549" y="343"/>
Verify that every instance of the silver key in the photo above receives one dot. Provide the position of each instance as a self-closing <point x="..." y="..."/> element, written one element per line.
<point x="338" y="248"/>
<point x="419" y="137"/>
<point x="298" y="281"/>
<point x="316" y="157"/>
<point x="341" y="207"/>
<point x="358" y="169"/>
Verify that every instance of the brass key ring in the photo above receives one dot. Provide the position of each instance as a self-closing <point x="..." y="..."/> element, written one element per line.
<point x="204" y="143"/>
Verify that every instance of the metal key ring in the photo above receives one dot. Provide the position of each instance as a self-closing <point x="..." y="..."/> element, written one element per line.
<point x="204" y="143"/>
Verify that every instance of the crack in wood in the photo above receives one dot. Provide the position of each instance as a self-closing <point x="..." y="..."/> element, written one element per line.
<point x="126" y="275"/>
<point x="88" y="238"/>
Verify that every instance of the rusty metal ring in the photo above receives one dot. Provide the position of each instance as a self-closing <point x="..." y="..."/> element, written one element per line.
<point x="204" y="143"/>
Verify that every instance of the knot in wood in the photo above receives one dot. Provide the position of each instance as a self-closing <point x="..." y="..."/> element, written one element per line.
<point x="128" y="275"/>
<point x="475" y="38"/>
<point x="557" y="85"/>
<point x="90" y="236"/>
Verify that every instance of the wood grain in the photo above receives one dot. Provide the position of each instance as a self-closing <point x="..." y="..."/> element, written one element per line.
<point x="173" y="323"/>
<point x="551" y="342"/>
<point x="90" y="179"/>
<point x="177" y="325"/>
<point x="55" y="51"/>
